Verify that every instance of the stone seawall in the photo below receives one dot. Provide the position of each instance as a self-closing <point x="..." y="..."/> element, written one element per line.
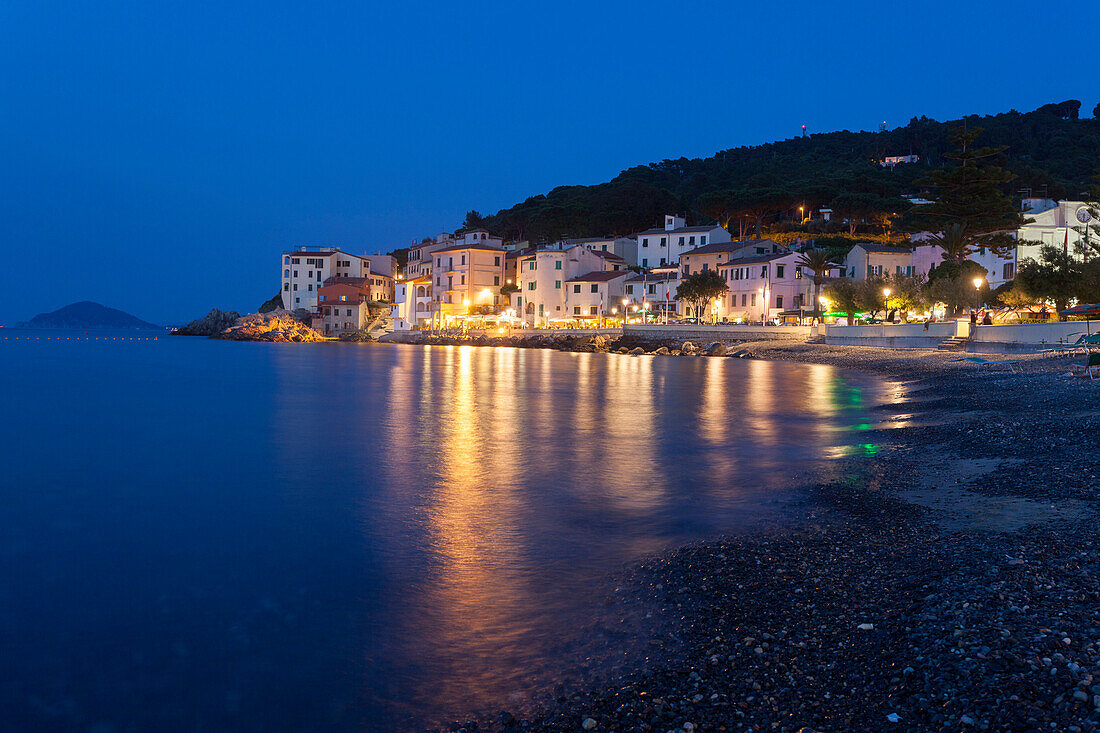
<point x="635" y="342"/>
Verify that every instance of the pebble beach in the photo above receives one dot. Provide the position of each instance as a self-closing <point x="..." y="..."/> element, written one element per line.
<point x="949" y="580"/>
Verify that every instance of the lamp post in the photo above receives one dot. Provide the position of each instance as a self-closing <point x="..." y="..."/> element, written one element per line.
<point x="977" y="291"/>
<point x="886" y="295"/>
<point x="764" y="305"/>
<point x="625" y="303"/>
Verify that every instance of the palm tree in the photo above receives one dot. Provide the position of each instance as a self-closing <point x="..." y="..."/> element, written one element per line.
<point x="818" y="262"/>
<point x="955" y="241"/>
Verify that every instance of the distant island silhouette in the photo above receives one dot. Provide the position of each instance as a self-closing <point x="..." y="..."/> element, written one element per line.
<point x="86" y="314"/>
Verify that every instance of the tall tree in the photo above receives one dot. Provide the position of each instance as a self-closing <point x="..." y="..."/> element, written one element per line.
<point x="972" y="193"/>
<point x="700" y="289"/>
<point x="1056" y="276"/>
<point x="818" y="262"/>
<point x="855" y="207"/>
<point x="844" y="296"/>
<point x="473" y="220"/>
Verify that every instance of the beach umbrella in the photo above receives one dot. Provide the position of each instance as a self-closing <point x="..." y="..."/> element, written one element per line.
<point x="1085" y="309"/>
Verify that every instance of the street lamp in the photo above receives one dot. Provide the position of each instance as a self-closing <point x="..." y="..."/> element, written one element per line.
<point x="977" y="291"/>
<point x="764" y="305"/>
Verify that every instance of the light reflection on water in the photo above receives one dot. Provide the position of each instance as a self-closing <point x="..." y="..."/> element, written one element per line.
<point x="324" y="536"/>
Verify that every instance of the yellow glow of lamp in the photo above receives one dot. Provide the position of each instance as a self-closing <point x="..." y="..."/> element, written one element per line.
<point x="886" y="292"/>
<point x="977" y="283"/>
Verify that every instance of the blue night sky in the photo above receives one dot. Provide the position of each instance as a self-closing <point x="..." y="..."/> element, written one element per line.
<point x="157" y="156"/>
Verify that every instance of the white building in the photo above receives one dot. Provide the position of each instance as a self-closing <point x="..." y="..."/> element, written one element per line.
<point x="541" y="275"/>
<point x="596" y="294"/>
<point x="625" y="248"/>
<point x="655" y="290"/>
<point x="1056" y="225"/>
<point x="412" y="303"/>
<point x="891" y="160"/>
<point x="305" y="270"/>
<point x="659" y="247"/>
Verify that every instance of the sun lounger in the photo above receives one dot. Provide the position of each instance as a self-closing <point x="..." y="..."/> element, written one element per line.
<point x="1092" y="364"/>
<point x="979" y="362"/>
<point x="1083" y="342"/>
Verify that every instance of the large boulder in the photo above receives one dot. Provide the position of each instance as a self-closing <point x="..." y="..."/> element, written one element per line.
<point x="274" y="326"/>
<point x="663" y="351"/>
<point x="716" y="349"/>
<point x="637" y="351"/>
<point x="211" y="324"/>
<point x="688" y="348"/>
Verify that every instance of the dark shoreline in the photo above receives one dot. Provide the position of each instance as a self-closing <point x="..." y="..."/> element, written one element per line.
<point x="984" y="601"/>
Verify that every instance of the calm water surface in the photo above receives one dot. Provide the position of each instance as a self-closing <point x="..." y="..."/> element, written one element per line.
<point x="204" y="535"/>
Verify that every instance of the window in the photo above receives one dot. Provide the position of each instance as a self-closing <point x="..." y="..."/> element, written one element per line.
<point x="496" y="279"/>
<point x="310" y="286"/>
<point x="798" y="273"/>
<point x="691" y="240"/>
<point x="577" y="288"/>
<point x="779" y="272"/>
<point x="764" y="271"/>
<point x="645" y="241"/>
<point x="286" y="287"/>
<point x="451" y="262"/>
<point x="318" y="276"/>
<point x="540" y="309"/>
<point x="779" y="301"/>
<point x="652" y="289"/>
<point x="576" y="310"/>
<point x="344" y="298"/>
<point x="439" y="262"/>
<point x="645" y="263"/>
<point x="297" y="300"/>
<point x="286" y="273"/>
<point x="295" y="273"/>
<point x="706" y="266"/>
<point x="744" y="297"/>
<point x="702" y="240"/>
<point x="531" y="286"/>
<point x="753" y="300"/>
<point x="286" y="260"/>
<point x="592" y="311"/>
<point x="531" y="265"/>
<point x="630" y="290"/>
<point x="605" y="248"/>
<point x="496" y="262"/>
<point x="557" y="284"/>
<point x="295" y="262"/>
<point x="450" y="282"/>
<point x="1009" y="270"/>
<point x="557" y="264"/>
<point x="463" y="261"/>
<point x="437" y="282"/>
<point x="681" y="242"/>
<point x="687" y="270"/>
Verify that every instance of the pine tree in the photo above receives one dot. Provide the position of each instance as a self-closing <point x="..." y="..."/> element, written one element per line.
<point x="971" y="194"/>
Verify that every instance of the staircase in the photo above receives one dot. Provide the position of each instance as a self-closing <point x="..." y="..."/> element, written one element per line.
<point x="380" y="326"/>
<point x="955" y="343"/>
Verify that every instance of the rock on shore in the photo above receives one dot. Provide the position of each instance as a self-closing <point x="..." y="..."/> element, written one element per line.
<point x="211" y="324"/>
<point x="274" y="326"/>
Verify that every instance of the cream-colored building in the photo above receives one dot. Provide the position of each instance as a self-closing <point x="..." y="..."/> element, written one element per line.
<point x="305" y="270"/>
<point x="596" y="294"/>
<point x="767" y="287"/>
<point x="868" y="259"/>
<point x="466" y="279"/>
<point x="541" y="275"/>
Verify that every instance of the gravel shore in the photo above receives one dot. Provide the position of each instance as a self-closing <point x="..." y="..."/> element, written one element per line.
<point x="948" y="581"/>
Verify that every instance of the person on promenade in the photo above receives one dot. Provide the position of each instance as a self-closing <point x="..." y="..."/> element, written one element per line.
<point x="987" y="321"/>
